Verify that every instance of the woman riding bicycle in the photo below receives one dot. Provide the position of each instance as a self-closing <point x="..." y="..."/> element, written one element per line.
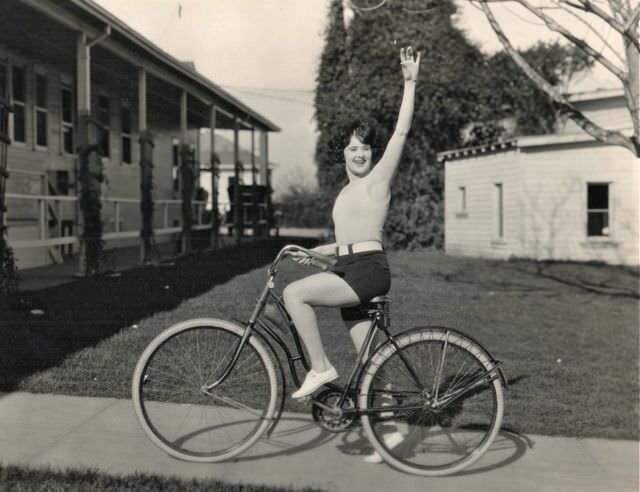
<point x="359" y="213"/>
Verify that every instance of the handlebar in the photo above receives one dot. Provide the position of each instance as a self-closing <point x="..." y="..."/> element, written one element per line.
<point x="318" y="260"/>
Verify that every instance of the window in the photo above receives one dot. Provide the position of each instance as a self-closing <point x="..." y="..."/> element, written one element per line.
<point x="67" y="120"/>
<point x="597" y="209"/>
<point x="125" y="127"/>
<point x="103" y="116"/>
<point x="19" y="122"/>
<point x="499" y="192"/>
<point x="41" y="110"/>
<point x="462" y="199"/>
<point x="175" y="167"/>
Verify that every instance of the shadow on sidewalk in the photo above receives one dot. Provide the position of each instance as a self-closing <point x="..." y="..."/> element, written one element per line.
<point x="39" y="328"/>
<point x="295" y="435"/>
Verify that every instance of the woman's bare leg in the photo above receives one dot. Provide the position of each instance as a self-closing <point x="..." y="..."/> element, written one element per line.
<point x="321" y="289"/>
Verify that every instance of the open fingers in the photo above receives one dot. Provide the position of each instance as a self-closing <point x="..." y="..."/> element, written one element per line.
<point x="408" y="55"/>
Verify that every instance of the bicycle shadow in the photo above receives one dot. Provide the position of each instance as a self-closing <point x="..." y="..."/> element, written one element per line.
<point x="508" y="447"/>
<point x="293" y="435"/>
<point x="302" y="434"/>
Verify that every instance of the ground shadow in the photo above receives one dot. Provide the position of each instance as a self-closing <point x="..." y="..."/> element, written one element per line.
<point x="507" y="448"/>
<point x="39" y="328"/>
<point x="285" y="440"/>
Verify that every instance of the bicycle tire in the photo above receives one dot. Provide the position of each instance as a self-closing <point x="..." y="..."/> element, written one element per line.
<point x="425" y="440"/>
<point x="173" y="410"/>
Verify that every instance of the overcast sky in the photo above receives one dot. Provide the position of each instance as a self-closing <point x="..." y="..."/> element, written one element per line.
<point x="266" y="53"/>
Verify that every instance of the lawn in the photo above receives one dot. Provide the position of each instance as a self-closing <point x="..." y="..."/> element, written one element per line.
<point x="567" y="333"/>
<point x="15" y="478"/>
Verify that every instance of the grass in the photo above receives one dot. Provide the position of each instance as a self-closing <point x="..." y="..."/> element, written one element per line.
<point x="567" y="333"/>
<point x="15" y="478"/>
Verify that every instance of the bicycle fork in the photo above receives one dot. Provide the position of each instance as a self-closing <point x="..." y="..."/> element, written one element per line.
<point x="262" y="300"/>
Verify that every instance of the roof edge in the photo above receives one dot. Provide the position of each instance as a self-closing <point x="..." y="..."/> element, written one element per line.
<point x="104" y="15"/>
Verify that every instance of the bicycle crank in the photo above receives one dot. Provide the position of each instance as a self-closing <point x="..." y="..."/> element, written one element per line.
<point x="328" y="415"/>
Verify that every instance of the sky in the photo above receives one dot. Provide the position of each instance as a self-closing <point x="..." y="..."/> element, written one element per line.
<point x="266" y="53"/>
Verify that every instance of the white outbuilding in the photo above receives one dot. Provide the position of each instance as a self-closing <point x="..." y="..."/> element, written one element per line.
<point x="563" y="196"/>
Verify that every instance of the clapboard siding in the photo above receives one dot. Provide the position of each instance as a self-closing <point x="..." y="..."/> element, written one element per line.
<point x="545" y="203"/>
<point x="555" y="203"/>
<point x="473" y="232"/>
<point x="608" y="113"/>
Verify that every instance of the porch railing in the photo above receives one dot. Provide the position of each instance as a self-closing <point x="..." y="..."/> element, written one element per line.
<point x="162" y="218"/>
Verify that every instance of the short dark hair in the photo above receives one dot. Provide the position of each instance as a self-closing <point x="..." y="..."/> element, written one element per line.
<point x="364" y="130"/>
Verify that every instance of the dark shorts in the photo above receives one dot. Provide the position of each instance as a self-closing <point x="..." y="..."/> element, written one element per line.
<point x="367" y="274"/>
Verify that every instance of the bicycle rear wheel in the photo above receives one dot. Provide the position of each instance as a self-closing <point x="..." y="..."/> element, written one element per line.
<point x="176" y="411"/>
<point x="435" y="405"/>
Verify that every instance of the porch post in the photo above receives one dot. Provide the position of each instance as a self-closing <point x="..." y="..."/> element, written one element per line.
<point x="237" y="201"/>
<point x="265" y="179"/>
<point x="186" y="176"/>
<point x="255" y="212"/>
<point x="90" y="167"/>
<point x="213" y="163"/>
<point x="146" y="170"/>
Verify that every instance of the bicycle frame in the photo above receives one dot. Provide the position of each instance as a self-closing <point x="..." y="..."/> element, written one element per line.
<point x="257" y="324"/>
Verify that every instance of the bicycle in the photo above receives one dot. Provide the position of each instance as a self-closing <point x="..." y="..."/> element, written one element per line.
<point x="206" y="390"/>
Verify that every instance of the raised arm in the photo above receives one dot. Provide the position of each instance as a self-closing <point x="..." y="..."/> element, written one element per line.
<point x="383" y="172"/>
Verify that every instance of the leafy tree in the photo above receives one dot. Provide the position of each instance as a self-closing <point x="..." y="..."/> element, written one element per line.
<point x="360" y="75"/>
<point x="303" y="207"/>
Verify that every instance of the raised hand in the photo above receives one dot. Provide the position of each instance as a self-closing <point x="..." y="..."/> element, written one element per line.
<point x="410" y="63"/>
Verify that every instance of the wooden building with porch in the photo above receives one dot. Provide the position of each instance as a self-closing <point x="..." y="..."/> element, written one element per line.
<point x="87" y="94"/>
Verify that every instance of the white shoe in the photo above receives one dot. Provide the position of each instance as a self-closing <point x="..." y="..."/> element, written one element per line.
<point x="391" y="441"/>
<point x="315" y="380"/>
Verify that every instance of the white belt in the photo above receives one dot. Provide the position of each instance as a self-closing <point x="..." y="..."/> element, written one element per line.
<point x="361" y="247"/>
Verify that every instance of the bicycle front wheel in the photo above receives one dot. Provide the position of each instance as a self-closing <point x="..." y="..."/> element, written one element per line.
<point x="433" y="405"/>
<point x="176" y="410"/>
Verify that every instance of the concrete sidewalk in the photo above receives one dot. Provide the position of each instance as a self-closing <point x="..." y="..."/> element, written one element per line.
<point x="103" y="433"/>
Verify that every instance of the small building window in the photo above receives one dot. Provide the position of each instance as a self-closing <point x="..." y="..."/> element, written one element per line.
<point x="104" y="116"/>
<point x="598" y="209"/>
<point x="18" y="119"/>
<point x="462" y="199"/>
<point x="499" y="200"/>
<point x="125" y="127"/>
<point x="67" y="120"/>
<point x="41" y="111"/>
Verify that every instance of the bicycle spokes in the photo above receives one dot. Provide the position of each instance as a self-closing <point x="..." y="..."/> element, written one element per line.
<point x="446" y="418"/>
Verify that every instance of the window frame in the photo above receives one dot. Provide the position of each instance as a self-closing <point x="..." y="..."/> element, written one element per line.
<point x="175" y="166"/>
<point x="17" y="103"/>
<point x="64" y="124"/>
<point x="40" y="110"/>
<point x="498" y="229"/>
<point x="609" y="234"/>
<point x="105" y="121"/>
<point x="126" y="106"/>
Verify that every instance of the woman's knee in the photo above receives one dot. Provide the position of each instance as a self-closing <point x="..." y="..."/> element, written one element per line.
<point x="293" y="294"/>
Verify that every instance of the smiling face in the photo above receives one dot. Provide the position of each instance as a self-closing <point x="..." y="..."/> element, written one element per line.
<point x="357" y="157"/>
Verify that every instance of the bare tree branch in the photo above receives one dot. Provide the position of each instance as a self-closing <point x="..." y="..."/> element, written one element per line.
<point x="565" y="106"/>
<point x="580" y="43"/>
<point x="633" y="20"/>
<point x="590" y="7"/>
<point x="592" y="29"/>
